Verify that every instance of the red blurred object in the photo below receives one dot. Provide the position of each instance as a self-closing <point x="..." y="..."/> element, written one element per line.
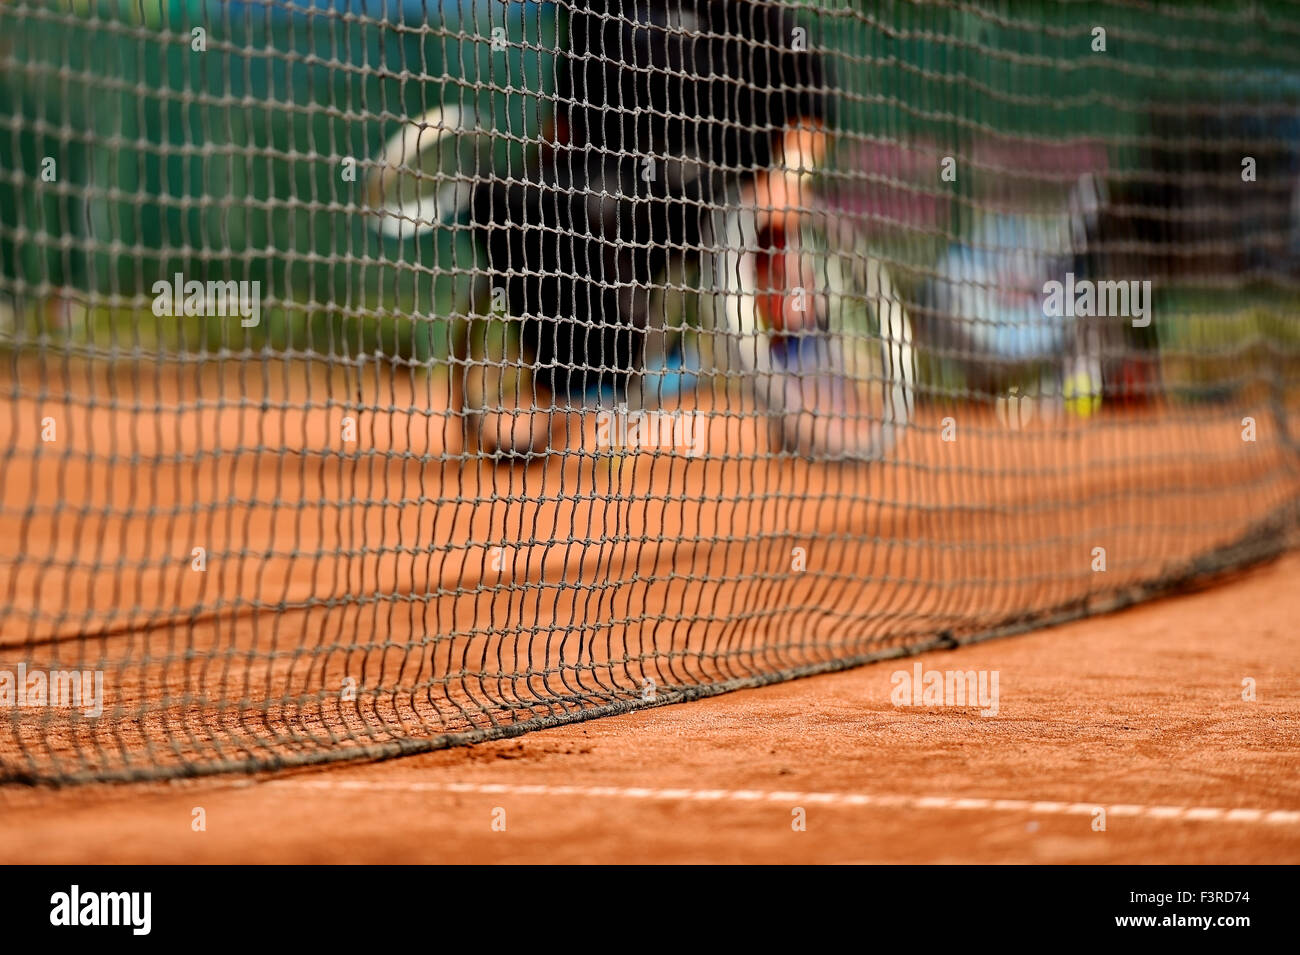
<point x="785" y="280"/>
<point x="770" y="276"/>
<point x="1132" y="382"/>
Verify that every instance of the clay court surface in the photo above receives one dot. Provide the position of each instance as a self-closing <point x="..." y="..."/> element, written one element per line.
<point x="1140" y="712"/>
<point x="374" y="559"/>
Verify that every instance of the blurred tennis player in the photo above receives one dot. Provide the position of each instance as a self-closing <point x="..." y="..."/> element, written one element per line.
<point x="661" y="106"/>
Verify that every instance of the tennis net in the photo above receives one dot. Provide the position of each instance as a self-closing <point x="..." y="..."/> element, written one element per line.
<point x="385" y="375"/>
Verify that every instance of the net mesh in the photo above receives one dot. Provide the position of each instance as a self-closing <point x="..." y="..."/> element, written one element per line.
<point x="382" y="375"/>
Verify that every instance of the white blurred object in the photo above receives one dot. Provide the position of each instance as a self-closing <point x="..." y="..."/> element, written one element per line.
<point x="423" y="176"/>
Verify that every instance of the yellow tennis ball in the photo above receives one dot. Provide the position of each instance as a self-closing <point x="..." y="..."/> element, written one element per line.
<point x="1082" y="394"/>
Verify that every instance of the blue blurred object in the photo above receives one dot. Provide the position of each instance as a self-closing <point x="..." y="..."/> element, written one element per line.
<point x="985" y="301"/>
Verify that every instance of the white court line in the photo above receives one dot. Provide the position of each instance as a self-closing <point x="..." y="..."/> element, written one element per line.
<point x="1279" y="817"/>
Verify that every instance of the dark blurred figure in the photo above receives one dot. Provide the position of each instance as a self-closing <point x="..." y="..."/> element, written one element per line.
<point x="659" y="105"/>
